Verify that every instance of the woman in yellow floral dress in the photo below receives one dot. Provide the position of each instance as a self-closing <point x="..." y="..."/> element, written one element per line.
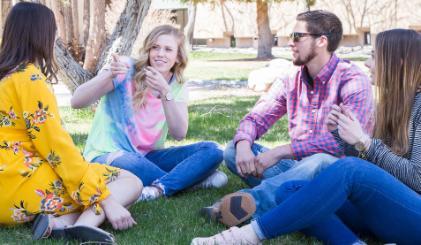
<point x="41" y="170"/>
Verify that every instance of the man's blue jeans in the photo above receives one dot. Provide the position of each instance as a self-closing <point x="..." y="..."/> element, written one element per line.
<point x="263" y="190"/>
<point x="353" y="193"/>
<point x="174" y="168"/>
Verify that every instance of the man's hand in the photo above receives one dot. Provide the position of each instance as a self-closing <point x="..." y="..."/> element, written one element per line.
<point x="244" y="159"/>
<point x="333" y="117"/>
<point x="267" y="159"/>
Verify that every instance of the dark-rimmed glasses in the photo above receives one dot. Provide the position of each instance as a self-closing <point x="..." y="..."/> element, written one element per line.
<point x="295" y="36"/>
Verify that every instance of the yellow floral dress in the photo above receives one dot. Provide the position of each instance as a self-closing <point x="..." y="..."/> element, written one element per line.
<point x="41" y="170"/>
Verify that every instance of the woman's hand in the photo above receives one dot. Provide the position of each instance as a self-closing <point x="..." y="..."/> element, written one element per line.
<point x="156" y="81"/>
<point x="349" y="128"/>
<point x="119" y="217"/>
<point x="117" y="66"/>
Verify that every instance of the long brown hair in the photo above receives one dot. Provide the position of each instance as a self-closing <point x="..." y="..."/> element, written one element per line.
<point x="28" y="37"/>
<point x="397" y="76"/>
<point x="143" y="61"/>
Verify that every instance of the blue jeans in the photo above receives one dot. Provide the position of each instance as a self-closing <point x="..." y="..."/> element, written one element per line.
<point x="263" y="190"/>
<point x="174" y="168"/>
<point x="355" y="194"/>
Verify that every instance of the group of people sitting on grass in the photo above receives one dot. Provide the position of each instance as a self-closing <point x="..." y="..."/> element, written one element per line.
<point x="307" y="185"/>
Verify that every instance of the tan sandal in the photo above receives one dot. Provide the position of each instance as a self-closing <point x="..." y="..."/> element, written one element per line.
<point x="232" y="236"/>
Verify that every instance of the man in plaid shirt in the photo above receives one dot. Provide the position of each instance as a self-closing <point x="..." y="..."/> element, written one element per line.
<point x="306" y="97"/>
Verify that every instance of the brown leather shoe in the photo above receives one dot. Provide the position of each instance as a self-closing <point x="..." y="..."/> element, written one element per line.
<point x="233" y="209"/>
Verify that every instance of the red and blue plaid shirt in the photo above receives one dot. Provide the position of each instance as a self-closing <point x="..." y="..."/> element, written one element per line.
<point x="308" y="104"/>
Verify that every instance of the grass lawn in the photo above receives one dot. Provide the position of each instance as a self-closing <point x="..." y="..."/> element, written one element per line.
<point x="221" y="66"/>
<point x="175" y="220"/>
<point x="216" y="65"/>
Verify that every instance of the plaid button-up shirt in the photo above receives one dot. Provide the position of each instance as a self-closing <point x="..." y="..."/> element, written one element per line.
<point x="308" y="104"/>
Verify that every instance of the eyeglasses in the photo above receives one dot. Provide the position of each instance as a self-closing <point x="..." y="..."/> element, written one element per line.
<point x="295" y="36"/>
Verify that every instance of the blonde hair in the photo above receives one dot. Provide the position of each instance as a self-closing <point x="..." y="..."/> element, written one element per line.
<point x="398" y="77"/>
<point x="143" y="61"/>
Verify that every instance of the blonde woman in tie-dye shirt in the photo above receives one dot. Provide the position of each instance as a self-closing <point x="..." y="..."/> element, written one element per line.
<point x="142" y="101"/>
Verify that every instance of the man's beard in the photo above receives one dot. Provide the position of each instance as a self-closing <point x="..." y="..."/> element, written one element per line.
<point x="305" y="60"/>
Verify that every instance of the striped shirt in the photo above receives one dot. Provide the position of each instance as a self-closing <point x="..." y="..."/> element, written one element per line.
<point x="406" y="168"/>
<point x="307" y="105"/>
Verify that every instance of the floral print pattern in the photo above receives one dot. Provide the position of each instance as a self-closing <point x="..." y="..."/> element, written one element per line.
<point x="33" y="120"/>
<point x="51" y="201"/>
<point x="7" y="118"/>
<point x="27" y="142"/>
<point x="21" y="214"/>
<point x="15" y="146"/>
<point x="53" y="159"/>
<point x="111" y="174"/>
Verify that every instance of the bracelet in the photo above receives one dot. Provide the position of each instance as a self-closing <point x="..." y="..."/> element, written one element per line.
<point x="367" y="143"/>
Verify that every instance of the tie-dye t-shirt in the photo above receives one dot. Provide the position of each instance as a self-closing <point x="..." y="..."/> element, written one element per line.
<point x="118" y="127"/>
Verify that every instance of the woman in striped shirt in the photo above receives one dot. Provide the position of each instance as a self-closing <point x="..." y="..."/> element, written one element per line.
<point x="380" y="196"/>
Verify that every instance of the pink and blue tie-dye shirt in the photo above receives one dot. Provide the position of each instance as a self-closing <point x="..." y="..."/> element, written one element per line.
<point x="117" y="126"/>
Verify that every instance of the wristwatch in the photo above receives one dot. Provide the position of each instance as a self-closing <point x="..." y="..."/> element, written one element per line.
<point x="360" y="146"/>
<point x="169" y="97"/>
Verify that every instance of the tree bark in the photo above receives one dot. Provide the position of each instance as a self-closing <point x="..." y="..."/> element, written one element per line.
<point x="264" y="49"/>
<point x="86" y="11"/>
<point x="57" y="8"/>
<point x="126" y="30"/>
<point x="5" y="6"/>
<point x="96" y="35"/>
<point x="189" y="29"/>
<point x="75" y="21"/>
<point x="70" y="72"/>
<point x="68" y="23"/>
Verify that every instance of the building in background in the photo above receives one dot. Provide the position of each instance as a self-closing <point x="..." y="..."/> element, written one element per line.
<point x="226" y="24"/>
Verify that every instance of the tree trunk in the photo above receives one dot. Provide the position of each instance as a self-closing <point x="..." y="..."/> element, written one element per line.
<point x="96" y="38"/>
<point x="264" y="49"/>
<point x="221" y="3"/>
<point x="57" y="8"/>
<point x="1" y="19"/>
<point x="70" y="73"/>
<point x="125" y="33"/>
<point x="5" y="6"/>
<point x="68" y="23"/>
<point x="189" y="29"/>
<point x="126" y="30"/>
<point x="75" y="42"/>
<point x="75" y="21"/>
<point x="86" y="11"/>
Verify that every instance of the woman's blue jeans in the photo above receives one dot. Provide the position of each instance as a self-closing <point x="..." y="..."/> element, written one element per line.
<point x="174" y="168"/>
<point x="351" y="194"/>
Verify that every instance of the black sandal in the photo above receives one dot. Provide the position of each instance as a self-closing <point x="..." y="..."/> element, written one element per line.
<point x="41" y="227"/>
<point x="83" y="233"/>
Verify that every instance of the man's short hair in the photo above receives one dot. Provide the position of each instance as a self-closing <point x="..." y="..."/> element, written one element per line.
<point x="326" y="23"/>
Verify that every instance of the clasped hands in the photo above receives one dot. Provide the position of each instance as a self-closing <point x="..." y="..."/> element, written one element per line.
<point x="250" y="165"/>
<point x="349" y="128"/>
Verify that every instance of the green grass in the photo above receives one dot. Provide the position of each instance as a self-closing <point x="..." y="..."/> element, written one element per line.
<point x="233" y="66"/>
<point x="221" y="70"/>
<point x="175" y="220"/>
<point x="205" y="55"/>
<point x="221" y="66"/>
